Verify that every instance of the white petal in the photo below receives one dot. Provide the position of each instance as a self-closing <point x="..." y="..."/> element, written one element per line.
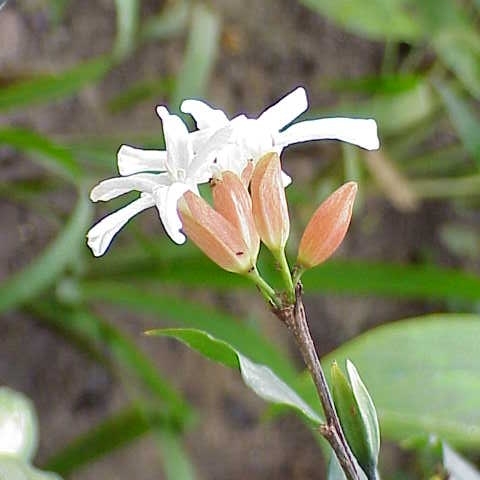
<point x="201" y="163"/>
<point x="135" y="160"/>
<point x="177" y="142"/>
<point x="359" y="131"/>
<point x="204" y="115"/>
<point x="285" y="110"/>
<point x="166" y="199"/>
<point x="100" y="235"/>
<point x="286" y="179"/>
<point x="114" y="187"/>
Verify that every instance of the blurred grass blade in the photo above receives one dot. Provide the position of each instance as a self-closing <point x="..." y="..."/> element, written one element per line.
<point x="457" y="467"/>
<point x="127" y="27"/>
<point x="463" y="120"/>
<point x="176" y="463"/>
<point x="181" y="312"/>
<point x="171" y="21"/>
<point x="200" y="55"/>
<point x="459" y="50"/>
<point x="336" y="276"/>
<point x="422" y="374"/>
<point x="47" y="88"/>
<point x="258" y="377"/>
<point x="402" y="281"/>
<point x="53" y="156"/>
<point x="122" y="352"/>
<point x="113" y="433"/>
<point x="45" y="269"/>
<point x="139" y="92"/>
<point x="376" y="19"/>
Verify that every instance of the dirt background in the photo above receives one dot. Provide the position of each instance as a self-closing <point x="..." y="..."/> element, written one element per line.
<point x="278" y="45"/>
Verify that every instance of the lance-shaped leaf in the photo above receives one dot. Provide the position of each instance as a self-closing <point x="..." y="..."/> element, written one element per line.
<point x="258" y="377"/>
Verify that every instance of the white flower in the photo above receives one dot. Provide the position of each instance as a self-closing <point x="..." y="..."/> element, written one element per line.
<point x="161" y="177"/>
<point x="252" y="138"/>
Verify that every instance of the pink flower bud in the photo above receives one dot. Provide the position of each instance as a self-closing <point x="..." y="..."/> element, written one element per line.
<point x="232" y="201"/>
<point x="269" y="203"/>
<point x="217" y="237"/>
<point x="327" y="227"/>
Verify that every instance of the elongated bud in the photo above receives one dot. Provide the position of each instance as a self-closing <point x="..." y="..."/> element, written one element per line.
<point x="232" y="201"/>
<point x="218" y="238"/>
<point x="357" y="416"/>
<point x="327" y="227"/>
<point x="269" y="203"/>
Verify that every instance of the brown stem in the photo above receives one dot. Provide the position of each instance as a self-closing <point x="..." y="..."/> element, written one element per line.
<point x="296" y="320"/>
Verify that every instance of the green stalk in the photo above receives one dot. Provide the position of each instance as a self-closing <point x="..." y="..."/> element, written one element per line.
<point x="281" y="258"/>
<point x="265" y="289"/>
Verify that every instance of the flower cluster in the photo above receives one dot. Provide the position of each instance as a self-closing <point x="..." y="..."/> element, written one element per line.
<point x="223" y="151"/>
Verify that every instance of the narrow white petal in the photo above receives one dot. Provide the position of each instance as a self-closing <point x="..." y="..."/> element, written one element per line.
<point x="285" y="110"/>
<point x="166" y="199"/>
<point x="177" y="143"/>
<point x="359" y="131"/>
<point x="100" y="235"/>
<point x="134" y="160"/>
<point x="114" y="187"/>
<point x="204" y="115"/>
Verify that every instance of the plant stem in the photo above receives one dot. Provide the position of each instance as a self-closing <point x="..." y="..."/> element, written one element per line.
<point x="295" y="319"/>
<point x="286" y="275"/>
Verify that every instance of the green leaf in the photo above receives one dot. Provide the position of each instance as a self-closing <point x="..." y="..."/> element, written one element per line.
<point x="176" y="463"/>
<point x="18" y="425"/>
<point x="369" y="419"/>
<point x="401" y="281"/>
<point x="459" y="50"/>
<point x="123" y="355"/>
<point x="47" y="88"/>
<point x="423" y="375"/>
<point x="463" y="119"/>
<point x="183" y="313"/>
<point x="111" y="434"/>
<point x="46" y="268"/>
<point x="394" y="112"/>
<point x="139" y="92"/>
<point x="457" y="466"/>
<point x="171" y="21"/>
<point x="258" y="377"/>
<point x="127" y="27"/>
<point x="200" y="55"/>
<point x="353" y="418"/>
<point x="376" y="19"/>
<point x="53" y="156"/>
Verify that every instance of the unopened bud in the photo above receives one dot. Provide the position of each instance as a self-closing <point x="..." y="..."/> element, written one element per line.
<point x="327" y="227"/>
<point x="269" y="203"/>
<point x="232" y="200"/>
<point x="217" y="237"/>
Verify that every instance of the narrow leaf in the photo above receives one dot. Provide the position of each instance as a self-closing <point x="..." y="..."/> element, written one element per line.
<point x="45" y="269"/>
<point x="53" y="156"/>
<point x="176" y="463"/>
<point x="113" y="433"/>
<point x="200" y="56"/>
<point x="127" y="27"/>
<point x="47" y="88"/>
<point x="258" y="377"/>
<point x="463" y="119"/>
<point x="457" y="466"/>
